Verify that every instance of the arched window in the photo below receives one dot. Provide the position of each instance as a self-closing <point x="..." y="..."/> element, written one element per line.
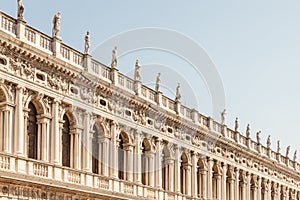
<point x="32" y="132"/>
<point x="66" y="138"/>
<point x="95" y="151"/>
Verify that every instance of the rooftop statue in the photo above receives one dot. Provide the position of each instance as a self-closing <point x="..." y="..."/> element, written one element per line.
<point x="56" y="24"/>
<point x="269" y="141"/>
<point x="278" y="146"/>
<point x="295" y="156"/>
<point x="248" y="131"/>
<point x="87" y="43"/>
<point x="114" y="59"/>
<point x="236" y="124"/>
<point x="258" y="137"/>
<point x="157" y="84"/>
<point x="178" y="95"/>
<point x="223" y="116"/>
<point x="137" y="75"/>
<point x="20" y="9"/>
<point x="287" y="151"/>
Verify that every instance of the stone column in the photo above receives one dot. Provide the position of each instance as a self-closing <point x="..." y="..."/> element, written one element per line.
<point x="138" y="159"/>
<point x="86" y="164"/>
<point x="45" y="138"/>
<point x="194" y="175"/>
<point x="177" y="170"/>
<point x="1" y="128"/>
<point x="254" y="187"/>
<point x="210" y="163"/>
<point x="61" y="125"/>
<point x="151" y="170"/>
<point x="158" y="161"/>
<point x="39" y="138"/>
<point x="258" y="187"/>
<point x="55" y="135"/>
<point x="188" y="179"/>
<point x="129" y="163"/>
<point x="219" y="187"/>
<point x="105" y="153"/>
<point x="114" y="150"/>
<point x="283" y="192"/>
<point x="231" y="188"/>
<point x="146" y="169"/>
<point x="248" y="186"/>
<point x="242" y="184"/>
<point x="274" y="193"/>
<point x="76" y="150"/>
<point x="75" y="153"/>
<point x="224" y="180"/>
<point x="26" y="117"/>
<point x="237" y="184"/>
<point x="100" y="155"/>
<point x="204" y="183"/>
<point x="171" y="175"/>
<point x="19" y="122"/>
<point x="7" y="128"/>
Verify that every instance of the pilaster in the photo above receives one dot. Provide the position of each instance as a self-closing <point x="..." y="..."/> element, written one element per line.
<point x="20" y="29"/>
<point x="137" y="85"/>
<point x="56" y="42"/>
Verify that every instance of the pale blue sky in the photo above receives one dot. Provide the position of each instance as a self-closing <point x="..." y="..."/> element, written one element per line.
<point x="255" y="46"/>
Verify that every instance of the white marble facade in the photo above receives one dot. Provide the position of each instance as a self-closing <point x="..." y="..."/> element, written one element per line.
<point x="73" y="128"/>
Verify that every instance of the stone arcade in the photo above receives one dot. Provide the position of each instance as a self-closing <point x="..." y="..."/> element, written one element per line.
<point x="73" y="128"/>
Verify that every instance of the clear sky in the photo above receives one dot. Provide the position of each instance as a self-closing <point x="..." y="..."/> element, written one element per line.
<point x="254" y="45"/>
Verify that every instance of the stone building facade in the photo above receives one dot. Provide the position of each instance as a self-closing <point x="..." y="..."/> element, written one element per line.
<point x="73" y="128"/>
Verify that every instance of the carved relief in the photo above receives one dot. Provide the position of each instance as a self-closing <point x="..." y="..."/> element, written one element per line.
<point x="139" y="116"/>
<point x="22" y="68"/>
<point x="86" y="94"/>
<point x="57" y="83"/>
<point x="197" y="141"/>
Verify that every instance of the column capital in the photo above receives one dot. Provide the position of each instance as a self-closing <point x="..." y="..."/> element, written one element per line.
<point x="20" y="88"/>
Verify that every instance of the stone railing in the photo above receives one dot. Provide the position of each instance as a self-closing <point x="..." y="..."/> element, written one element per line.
<point x="186" y="112"/>
<point x="100" y="70"/>
<point x="74" y="178"/>
<point x="125" y="82"/>
<point x="4" y="162"/>
<point x="67" y="54"/>
<point x="40" y="170"/>
<point x="8" y="24"/>
<point x="148" y="94"/>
